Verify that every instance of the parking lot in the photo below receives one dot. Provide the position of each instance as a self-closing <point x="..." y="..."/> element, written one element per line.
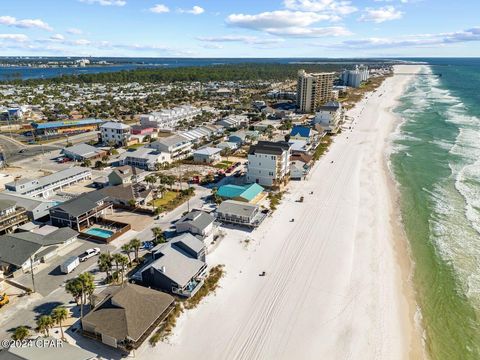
<point x="50" y="278"/>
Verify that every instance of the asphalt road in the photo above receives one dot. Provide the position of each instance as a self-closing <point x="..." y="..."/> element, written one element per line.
<point x="15" y="151"/>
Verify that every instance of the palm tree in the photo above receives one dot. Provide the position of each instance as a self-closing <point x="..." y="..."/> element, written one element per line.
<point x="60" y="314"/>
<point x="44" y="323"/>
<point x="159" y="235"/>
<point x="127" y="249"/>
<point x="117" y="259"/>
<point x="123" y="260"/>
<point x="88" y="286"/>
<point x="135" y="244"/>
<point x="105" y="263"/>
<point x="150" y="179"/>
<point x="21" y="333"/>
<point x="75" y="288"/>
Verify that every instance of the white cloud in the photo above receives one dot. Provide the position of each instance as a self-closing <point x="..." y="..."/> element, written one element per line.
<point x="325" y="6"/>
<point x="105" y="2"/>
<point x="159" y="9"/>
<point x="14" y="37"/>
<point x="382" y="14"/>
<point x="276" y="19"/>
<point x="419" y="40"/>
<point x="74" y="31"/>
<point x="240" y="38"/>
<point x="288" y="23"/>
<point x="196" y="10"/>
<point x="24" y="23"/>
<point x="80" y="42"/>
<point x="57" y="37"/>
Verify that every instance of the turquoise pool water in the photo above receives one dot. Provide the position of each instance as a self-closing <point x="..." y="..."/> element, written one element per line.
<point x="99" y="232"/>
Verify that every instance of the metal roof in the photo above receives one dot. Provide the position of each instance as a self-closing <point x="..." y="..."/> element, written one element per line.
<point x="302" y="131"/>
<point x="247" y="192"/>
<point x="60" y="124"/>
<point x="207" y="151"/>
<point x="238" y="208"/>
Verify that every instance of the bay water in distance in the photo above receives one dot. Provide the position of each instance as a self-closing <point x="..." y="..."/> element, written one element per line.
<point x="436" y="163"/>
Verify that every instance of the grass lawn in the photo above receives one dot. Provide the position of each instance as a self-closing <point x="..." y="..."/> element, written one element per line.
<point x="135" y="146"/>
<point x="223" y="165"/>
<point x="167" y="197"/>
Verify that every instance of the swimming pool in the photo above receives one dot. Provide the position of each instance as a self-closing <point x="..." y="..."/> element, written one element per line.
<point x="99" y="232"/>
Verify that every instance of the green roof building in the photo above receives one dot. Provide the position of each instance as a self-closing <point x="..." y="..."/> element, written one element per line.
<point x="250" y="193"/>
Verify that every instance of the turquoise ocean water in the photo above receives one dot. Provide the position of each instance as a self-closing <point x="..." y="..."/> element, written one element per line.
<point x="436" y="161"/>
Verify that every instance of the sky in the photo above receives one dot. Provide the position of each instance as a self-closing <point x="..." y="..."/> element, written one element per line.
<point x="240" y="28"/>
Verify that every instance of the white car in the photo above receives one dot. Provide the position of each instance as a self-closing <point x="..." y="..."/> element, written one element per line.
<point x="88" y="254"/>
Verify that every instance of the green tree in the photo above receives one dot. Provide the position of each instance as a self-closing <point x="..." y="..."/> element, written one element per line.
<point x="44" y="324"/>
<point x="135" y="245"/>
<point x="159" y="235"/>
<point x="21" y="333"/>
<point x="150" y="179"/>
<point x="105" y="263"/>
<point x="88" y="285"/>
<point x="59" y="315"/>
<point x="127" y="249"/>
<point x="74" y="288"/>
<point x="86" y="163"/>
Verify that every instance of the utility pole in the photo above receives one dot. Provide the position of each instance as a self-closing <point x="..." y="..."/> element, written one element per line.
<point x="33" y="275"/>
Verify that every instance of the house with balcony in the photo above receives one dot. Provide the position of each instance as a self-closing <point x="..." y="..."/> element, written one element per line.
<point x="240" y="213"/>
<point x="35" y="207"/>
<point x="177" y="146"/>
<point x="329" y="116"/>
<point x="46" y="186"/>
<point x="115" y="133"/>
<point x="175" y="268"/>
<point x="146" y="158"/>
<point x="169" y="118"/>
<point x="81" y="212"/>
<point x="11" y="216"/>
<point x="268" y="163"/>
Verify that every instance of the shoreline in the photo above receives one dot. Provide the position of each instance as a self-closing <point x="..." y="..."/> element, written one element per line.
<point x="406" y="265"/>
<point x="337" y="282"/>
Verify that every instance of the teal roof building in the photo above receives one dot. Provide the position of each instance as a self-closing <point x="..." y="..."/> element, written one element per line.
<point x="246" y="193"/>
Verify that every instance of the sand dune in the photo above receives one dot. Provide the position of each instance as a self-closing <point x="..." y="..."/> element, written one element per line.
<point x="334" y="287"/>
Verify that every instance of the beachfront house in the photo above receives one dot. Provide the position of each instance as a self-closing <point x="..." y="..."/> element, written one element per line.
<point x="175" y="270"/>
<point x="268" y="163"/>
<point x="240" y="213"/>
<point x="329" y="116"/>
<point x="126" y="315"/>
<point x="251" y="193"/>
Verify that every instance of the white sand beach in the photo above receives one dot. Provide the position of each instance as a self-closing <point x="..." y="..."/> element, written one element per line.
<point x="336" y="284"/>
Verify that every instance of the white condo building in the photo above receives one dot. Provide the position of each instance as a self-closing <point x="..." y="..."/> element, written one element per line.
<point x="169" y="119"/>
<point x="354" y="78"/>
<point x="313" y="90"/>
<point x="116" y="133"/>
<point x="177" y="146"/>
<point x="268" y="163"/>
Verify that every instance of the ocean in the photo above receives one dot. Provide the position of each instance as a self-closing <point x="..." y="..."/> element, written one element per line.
<point x="436" y="162"/>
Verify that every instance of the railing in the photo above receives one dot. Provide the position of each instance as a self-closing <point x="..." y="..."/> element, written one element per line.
<point x="15" y="218"/>
<point x="189" y="292"/>
<point x="94" y="212"/>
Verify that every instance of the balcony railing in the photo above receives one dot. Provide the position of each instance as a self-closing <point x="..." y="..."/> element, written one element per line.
<point x="190" y="289"/>
<point x="94" y="211"/>
<point x="15" y="218"/>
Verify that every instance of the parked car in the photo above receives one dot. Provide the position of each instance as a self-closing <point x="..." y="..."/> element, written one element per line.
<point x="88" y="254"/>
<point x="69" y="265"/>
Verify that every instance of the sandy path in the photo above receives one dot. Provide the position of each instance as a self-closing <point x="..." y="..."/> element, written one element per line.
<point x="334" y="288"/>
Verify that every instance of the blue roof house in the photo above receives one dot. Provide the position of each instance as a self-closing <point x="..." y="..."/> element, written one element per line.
<point x="251" y="193"/>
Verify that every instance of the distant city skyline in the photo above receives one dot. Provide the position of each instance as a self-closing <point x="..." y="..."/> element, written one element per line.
<point x="247" y="28"/>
